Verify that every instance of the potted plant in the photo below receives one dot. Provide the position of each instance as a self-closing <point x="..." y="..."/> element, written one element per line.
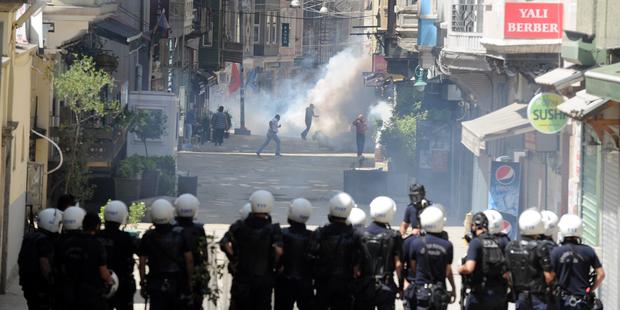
<point x="150" y="177"/>
<point x="127" y="181"/>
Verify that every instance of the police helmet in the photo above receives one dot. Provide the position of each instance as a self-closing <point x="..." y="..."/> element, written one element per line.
<point x="432" y="220"/>
<point x="162" y="212"/>
<point x="495" y="221"/>
<point x="550" y="221"/>
<point x="72" y="218"/>
<point x="382" y="209"/>
<point x="531" y="223"/>
<point x="417" y="190"/>
<point x="187" y="205"/>
<point x="261" y="201"/>
<point x="357" y="217"/>
<point x="340" y="205"/>
<point x="115" y="211"/>
<point x="570" y="226"/>
<point x="114" y="287"/>
<point x="300" y="210"/>
<point x="49" y="220"/>
<point x="480" y="220"/>
<point x="245" y="211"/>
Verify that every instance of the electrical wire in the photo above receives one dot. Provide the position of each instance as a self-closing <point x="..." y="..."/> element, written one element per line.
<point x="56" y="146"/>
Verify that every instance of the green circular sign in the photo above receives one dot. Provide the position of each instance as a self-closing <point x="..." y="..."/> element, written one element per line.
<point x="543" y="113"/>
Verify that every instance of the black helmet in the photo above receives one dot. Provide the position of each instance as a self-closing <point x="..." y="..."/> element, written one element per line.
<point x="417" y="189"/>
<point x="480" y="221"/>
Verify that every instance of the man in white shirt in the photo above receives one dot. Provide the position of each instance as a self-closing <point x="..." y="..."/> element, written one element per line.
<point x="272" y="134"/>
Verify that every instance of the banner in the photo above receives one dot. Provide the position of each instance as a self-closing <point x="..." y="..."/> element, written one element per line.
<point x="505" y="193"/>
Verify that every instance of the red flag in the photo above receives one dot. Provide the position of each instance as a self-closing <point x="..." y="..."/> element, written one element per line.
<point x="235" y="80"/>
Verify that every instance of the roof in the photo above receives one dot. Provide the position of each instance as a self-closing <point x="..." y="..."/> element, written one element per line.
<point x="582" y="105"/>
<point x="116" y="31"/>
<point x="508" y="121"/>
<point x="560" y="77"/>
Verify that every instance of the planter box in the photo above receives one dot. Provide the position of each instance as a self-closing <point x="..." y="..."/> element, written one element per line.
<point x="149" y="184"/>
<point x="127" y="190"/>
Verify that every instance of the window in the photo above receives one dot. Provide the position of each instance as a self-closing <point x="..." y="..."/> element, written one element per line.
<point x="272" y="27"/>
<point x="256" y="34"/>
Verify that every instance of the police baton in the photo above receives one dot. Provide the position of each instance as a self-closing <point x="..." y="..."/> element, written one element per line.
<point x="146" y="303"/>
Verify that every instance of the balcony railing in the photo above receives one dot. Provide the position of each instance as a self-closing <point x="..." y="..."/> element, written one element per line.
<point x="93" y="3"/>
<point x="467" y="18"/>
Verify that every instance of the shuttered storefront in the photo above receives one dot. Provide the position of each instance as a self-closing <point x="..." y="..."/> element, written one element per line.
<point x="591" y="193"/>
<point x="610" y="240"/>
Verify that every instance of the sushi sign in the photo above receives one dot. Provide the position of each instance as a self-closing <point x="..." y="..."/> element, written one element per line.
<point x="533" y="20"/>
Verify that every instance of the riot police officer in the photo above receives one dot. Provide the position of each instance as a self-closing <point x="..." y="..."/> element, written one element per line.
<point x="170" y="260"/>
<point x="334" y="252"/>
<point x="495" y="227"/>
<point x="431" y="259"/>
<point x="120" y="247"/>
<point x="572" y="262"/>
<point x="82" y="261"/>
<point x="417" y="196"/>
<point x="294" y="283"/>
<point x="187" y="206"/>
<point x="256" y="246"/>
<point x="485" y="264"/>
<point x="550" y="221"/>
<point x="357" y="218"/>
<point x="36" y="258"/>
<point x="529" y="264"/>
<point x="381" y="248"/>
<point x="409" y="300"/>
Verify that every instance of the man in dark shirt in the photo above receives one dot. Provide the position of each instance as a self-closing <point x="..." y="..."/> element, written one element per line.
<point x="219" y="121"/>
<point x="294" y="283"/>
<point x="170" y="261"/>
<point x="309" y="116"/>
<point x="83" y="263"/>
<point x="120" y="247"/>
<point x="489" y="288"/>
<point x="430" y="256"/>
<point x="256" y="245"/>
<point x="361" y="126"/>
<point x="572" y="262"/>
<point x="417" y="196"/>
<point x="36" y="258"/>
<point x="409" y="300"/>
<point x="333" y="248"/>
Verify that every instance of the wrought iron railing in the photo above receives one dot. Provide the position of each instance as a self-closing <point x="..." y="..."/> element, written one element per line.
<point x="467" y="18"/>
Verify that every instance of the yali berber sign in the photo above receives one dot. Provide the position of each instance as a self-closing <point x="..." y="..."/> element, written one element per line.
<point x="528" y="20"/>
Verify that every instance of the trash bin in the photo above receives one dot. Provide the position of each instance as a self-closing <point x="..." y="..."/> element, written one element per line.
<point x="187" y="185"/>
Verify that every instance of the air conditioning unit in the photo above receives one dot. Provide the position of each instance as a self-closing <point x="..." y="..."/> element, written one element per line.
<point x="451" y="92"/>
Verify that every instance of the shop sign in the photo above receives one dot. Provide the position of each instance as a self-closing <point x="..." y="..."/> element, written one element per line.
<point x="379" y="64"/>
<point x="533" y="20"/>
<point x="285" y="34"/>
<point x="543" y="113"/>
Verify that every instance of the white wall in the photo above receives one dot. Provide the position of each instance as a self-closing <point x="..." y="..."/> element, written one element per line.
<point x="169" y="104"/>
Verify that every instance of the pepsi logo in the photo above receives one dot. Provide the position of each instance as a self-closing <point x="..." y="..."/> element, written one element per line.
<point x="506" y="227"/>
<point x="505" y="175"/>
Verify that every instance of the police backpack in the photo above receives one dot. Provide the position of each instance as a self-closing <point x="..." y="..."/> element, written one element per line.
<point x="493" y="260"/>
<point x="522" y="260"/>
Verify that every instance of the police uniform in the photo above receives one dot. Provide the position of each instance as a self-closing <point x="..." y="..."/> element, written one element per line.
<point x="431" y="254"/>
<point x="195" y="236"/>
<point x="409" y="301"/>
<point x="294" y="284"/>
<point x="37" y="288"/>
<point x="253" y="242"/>
<point x="381" y="246"/>
<point x="412" y="213"/>
<point x="572" y="263"/>
<point x="527" y="260"/>
<point x="79" y="258"/>
<point x="120" y="247"/>
<point x="164" y="247"/>
<point x="488" y="291"/>
<point x="333" y="247"/>
<point x="502" y="240"/>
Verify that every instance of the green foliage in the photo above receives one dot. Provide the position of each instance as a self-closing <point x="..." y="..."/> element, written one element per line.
<point x="399" y="140"/>
<point x="133" y="166"/>
<point x="148" y="124"/>
<point x="136" y="212"/>
<point x="211" y="269"/>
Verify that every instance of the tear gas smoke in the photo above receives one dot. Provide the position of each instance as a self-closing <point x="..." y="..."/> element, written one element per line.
<point x="337" y="92"/>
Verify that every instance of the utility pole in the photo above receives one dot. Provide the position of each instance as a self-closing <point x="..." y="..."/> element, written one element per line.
<point x="241" y="130"/>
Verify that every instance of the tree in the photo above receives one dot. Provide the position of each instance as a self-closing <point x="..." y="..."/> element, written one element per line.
<point x="81" y="88"/>
<point x="148" y="124"/>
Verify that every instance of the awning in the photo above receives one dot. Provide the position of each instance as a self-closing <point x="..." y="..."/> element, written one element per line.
<point x="505" y="122"/>
<point x="582" y="105"/>
<point x="560" y="78"/>
<point x="116" y="31"/>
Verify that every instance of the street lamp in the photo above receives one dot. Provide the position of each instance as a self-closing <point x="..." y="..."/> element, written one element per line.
<point x="324" y="9"/>
<point x="419" y="84"/>
<point x="295" y="4"/>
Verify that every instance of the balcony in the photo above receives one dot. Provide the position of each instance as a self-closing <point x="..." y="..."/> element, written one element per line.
<point x="465" y="28"/>
<point x="66" y="20"/>
<point x="523" y="27"/>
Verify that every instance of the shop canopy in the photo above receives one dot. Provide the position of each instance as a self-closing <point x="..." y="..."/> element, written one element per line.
<point x="560" y="78"/>
<point x="582" y="105"/>
<point x="505" y="122"/>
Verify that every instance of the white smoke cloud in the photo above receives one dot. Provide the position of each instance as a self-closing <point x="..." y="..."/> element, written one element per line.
<point x="337" y="92"/>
